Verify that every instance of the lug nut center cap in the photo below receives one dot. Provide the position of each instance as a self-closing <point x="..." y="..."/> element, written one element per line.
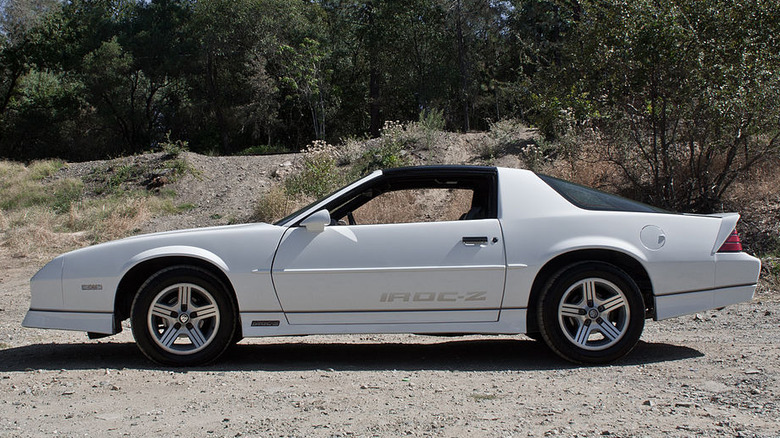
<point x="184" y="318"/>
<point x="593" y="313"/>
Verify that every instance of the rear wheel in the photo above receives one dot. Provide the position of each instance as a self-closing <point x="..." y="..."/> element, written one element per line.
<point x="591" y="312"/>
<point x="183" y="316"/>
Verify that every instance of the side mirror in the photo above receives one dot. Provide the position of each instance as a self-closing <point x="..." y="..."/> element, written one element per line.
<point x="317" y="221"/>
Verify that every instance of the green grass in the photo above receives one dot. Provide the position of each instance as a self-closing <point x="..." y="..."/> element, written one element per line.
<point x="24" y="187"/>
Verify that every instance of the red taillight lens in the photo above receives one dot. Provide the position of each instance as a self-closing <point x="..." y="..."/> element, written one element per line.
<point x="732" y="244"/>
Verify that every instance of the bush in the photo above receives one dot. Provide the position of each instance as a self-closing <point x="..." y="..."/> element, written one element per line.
<point x="274" y="205"/>
<point x="388" y="151"/>
<point x="319" y="175"/>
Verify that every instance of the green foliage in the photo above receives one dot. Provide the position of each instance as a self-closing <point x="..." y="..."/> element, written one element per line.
<point x="683" y="96"/>
<point x="319" y="175"/>
<point x="22" y="187"/>
<point x="432" y="120"/>
<point x="98" y="79"/>
<point x="66" y="193"/>
<point x="389" y="151"/>
<point x="173" y="148"/>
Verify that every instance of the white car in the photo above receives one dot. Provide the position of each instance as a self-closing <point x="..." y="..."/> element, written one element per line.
<point x="438" y="250"/>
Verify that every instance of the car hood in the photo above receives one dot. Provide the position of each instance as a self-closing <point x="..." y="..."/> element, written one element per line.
<point x="199" y="237"/>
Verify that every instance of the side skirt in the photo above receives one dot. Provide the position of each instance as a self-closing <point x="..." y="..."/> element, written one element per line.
<point x="253" y="324"/>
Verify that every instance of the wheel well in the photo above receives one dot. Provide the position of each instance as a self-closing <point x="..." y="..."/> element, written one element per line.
<point x="630" y="265"/>
<point x="138" y="274"/>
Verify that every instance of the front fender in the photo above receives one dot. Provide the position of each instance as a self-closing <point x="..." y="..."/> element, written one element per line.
<point x="175" y="251"/>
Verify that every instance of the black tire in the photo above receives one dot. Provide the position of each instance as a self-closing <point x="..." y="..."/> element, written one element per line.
<point x="591" y="313"/>
<point x="183" y="316"/>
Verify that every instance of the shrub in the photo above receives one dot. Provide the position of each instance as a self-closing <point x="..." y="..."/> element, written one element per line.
<point x="319" y="175"/>
<point x="274" y="205"/>
<point x="388" y="151"/>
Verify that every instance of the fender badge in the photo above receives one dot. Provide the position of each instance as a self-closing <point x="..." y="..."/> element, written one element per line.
<point x="91" y="287"/>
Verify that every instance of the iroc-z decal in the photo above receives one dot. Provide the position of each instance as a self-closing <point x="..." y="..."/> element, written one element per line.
<point x="390" y="297"/>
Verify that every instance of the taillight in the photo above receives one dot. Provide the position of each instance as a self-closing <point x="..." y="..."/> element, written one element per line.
<point x="732" y="243"/>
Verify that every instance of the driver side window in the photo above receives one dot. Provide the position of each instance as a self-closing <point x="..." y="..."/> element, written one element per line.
<point x="415" y="205"/>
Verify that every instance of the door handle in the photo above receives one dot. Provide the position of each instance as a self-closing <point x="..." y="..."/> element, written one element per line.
<point x="475" y="240"/>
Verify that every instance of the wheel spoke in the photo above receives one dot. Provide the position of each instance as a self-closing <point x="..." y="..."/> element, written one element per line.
<point x="170" y="335"/>
<point x="589" y="291"/>
<point x="608" y="330"/>
<point x="207" y="311"/>
<point x="572" y="311"/>
<point x="196" y="336"/>
<point x="583" y="333"/>
<point x="164" y="312"/>
<point x="185" y="294"/>
<point x="613" y="303"/>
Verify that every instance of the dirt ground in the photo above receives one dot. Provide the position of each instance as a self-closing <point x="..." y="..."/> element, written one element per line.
<point x="712" y="374"/>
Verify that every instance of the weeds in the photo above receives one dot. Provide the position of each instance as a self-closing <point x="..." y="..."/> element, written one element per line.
<point x="173" y="148"/>
<point x="40" y="214"/>
<point x="389" y="151"/>
<point x="319" y="176"/>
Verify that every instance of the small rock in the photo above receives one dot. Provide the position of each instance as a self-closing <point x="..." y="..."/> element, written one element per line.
<point x="647" y="403"/>
<point x="683" y="404"/>
<point x="767" y="313"/>
<point x="67" y="393"/>
<point x="752" y="371"/>
<point x="698" y="317"/>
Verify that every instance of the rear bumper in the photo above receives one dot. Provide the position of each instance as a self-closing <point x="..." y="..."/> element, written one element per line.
<point x="669" y="306"/>
<point x="79" y="321"/>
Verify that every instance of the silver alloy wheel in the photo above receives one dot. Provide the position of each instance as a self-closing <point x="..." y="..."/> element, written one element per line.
<point x="183" y="318"/>
<point x="594" y="314"/>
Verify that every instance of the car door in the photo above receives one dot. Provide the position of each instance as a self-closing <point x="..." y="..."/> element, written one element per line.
<point x="427" y="272"/>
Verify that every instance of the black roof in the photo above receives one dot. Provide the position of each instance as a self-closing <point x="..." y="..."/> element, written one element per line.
<point x="448" y="169"/>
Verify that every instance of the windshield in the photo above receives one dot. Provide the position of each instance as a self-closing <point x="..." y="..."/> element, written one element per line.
<point x="283" y="221"/>
<point x="287" y="219"/>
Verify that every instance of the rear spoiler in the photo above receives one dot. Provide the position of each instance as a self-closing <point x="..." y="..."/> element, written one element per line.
<point x="727" y="224"/>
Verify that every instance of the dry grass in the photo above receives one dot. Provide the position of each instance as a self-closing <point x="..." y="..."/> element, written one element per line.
<point x="42" y="215"/>
<point x="408" y="206"/>
<point x="760" y="183"/>
<point x="276" y="204"/>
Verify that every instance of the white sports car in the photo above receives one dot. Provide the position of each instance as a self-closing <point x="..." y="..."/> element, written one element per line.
<point x="438" y="250"/>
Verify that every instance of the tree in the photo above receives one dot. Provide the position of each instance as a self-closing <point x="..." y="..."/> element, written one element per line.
<point x="684" y="96"/>
<point x="305" y="77"/>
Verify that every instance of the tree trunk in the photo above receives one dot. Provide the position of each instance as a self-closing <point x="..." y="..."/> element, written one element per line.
<point x="464" y="80"/>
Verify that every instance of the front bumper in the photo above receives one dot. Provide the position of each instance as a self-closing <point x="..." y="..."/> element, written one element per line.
<point x="684" y="303"/>
<point x="80" y="321"/>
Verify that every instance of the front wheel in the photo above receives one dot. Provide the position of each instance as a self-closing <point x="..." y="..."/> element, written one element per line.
<point x="591" y="312"/>
<point x="183" y="316"/>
